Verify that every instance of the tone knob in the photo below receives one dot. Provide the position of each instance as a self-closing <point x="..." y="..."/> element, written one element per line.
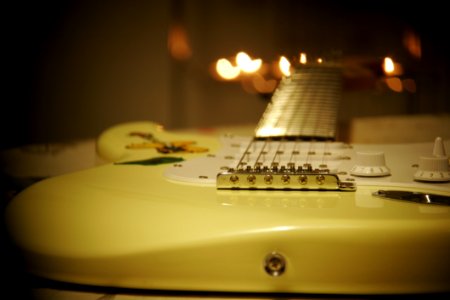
<point x="433" y="168"/>
<point x="370" y="164"/>
<point x="438" y="148"/>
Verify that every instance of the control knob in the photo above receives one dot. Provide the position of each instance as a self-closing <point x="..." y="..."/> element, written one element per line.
<point x="434" y="168"/>
<point x="370" y="164"/>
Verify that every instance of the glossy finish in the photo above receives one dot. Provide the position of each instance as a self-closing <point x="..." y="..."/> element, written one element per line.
<point x="130" y="226"/>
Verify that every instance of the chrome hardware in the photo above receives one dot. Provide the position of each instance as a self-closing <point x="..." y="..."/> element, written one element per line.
<point x="268" y="179"/>
<point x="234" y="179"/>
<point x="273" y="166"/>
<point x="320" y="179"/>
<point x="282" y="179"/>
<point x="347" y="186"/>
<point x="422" y="198"/>
<point x="275" y="264"/>
<point x="285" y="179"/>
<point x="303" y="179"/>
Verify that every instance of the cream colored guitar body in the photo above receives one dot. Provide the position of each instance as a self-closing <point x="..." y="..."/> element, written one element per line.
<point x="167" y="226"/>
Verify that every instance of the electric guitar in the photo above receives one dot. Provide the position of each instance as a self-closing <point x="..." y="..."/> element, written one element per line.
<point x="289" y="210"/>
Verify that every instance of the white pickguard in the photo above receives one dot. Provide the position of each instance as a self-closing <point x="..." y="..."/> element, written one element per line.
<point x="401" y="159"/>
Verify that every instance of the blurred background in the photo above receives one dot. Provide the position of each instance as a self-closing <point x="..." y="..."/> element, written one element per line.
<point x="75" y="68"/>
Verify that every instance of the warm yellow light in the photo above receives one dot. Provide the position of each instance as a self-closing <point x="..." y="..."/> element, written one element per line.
<point x="392" y="68"/>
<point x="303" y="59"/>
<point x="246" y="64"/>
<point x="270" y="131"/>
<point x="285" y="66"/>
<point x="319" y="60"/>
<point x="242" y="58"/>
<point x="412" y="43"/>
<point x="388" y="66"/>
<point x="262" y="85"/>
<point x="178" y="43"/>
<point x="395" y="84"/>
<point x="226" y="70"/>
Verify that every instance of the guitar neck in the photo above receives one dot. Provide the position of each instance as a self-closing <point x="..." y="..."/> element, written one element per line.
<point x="304" y="105"/>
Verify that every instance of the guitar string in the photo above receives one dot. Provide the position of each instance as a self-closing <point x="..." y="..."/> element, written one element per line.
<point x="304" y="90"/>
<point x="310" y="143"/>
<point x="324" y="155"/>
<point x="246" y="153"/>
<point x="323" y="100"/>
<point x="315" y="147"/>
<point x="298" y="110"/>
<point x="278" y="152"/>
<point x="274" y="156"/>
<point x="261" y="153"/>
<point x="312" y="149"/>
<point x="295" y="152"/>
<point x="332" y="95"/>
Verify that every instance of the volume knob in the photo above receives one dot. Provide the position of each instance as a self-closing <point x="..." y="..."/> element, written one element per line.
<point x="433" y="168"/>
<point x="370" y="164"/>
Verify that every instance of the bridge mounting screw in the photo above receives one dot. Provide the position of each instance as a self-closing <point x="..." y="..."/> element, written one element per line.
<point x="234" y="179"/>
<point x="320" y="179"/>
<point x="251" y="179"/>
<point x="285" y="179"/>
<point x="303" y="179"/>
<point x="268" y="179"/>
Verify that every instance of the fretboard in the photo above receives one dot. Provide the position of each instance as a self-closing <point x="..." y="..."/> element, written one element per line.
<point x="304" y="105"/>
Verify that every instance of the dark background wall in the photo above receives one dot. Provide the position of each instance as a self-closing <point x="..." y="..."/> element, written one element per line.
<point x="74" y="68"/>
